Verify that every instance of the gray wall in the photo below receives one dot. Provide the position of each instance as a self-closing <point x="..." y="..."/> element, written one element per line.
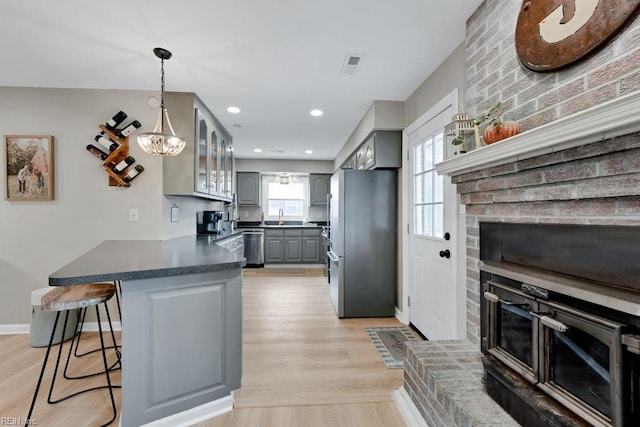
<point x="37" y="238"/>
<point x="447" y="77"/>
<point x="450" y="75"/>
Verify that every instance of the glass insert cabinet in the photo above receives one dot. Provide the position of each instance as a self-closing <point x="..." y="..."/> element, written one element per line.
<point x="205" y="167"/>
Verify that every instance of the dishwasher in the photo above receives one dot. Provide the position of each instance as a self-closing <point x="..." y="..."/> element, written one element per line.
<point x="254" y="247"/>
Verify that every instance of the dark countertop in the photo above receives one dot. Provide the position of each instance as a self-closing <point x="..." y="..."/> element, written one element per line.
<point x="144" y="259"/>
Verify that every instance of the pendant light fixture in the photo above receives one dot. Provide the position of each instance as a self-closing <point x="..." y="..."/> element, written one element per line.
<point x="163" y="140"/>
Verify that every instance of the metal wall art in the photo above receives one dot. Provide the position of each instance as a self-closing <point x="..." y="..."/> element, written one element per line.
<point x="551" y="34"/>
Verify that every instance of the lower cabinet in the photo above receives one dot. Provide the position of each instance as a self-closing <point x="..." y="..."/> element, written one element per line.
<point x="311" y="246"/>
<point x="292" y="245"/>
<point x="293" y="249"/>
<point x="274" y="249"/>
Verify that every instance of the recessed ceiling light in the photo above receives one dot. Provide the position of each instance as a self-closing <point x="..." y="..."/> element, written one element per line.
<point x="257" y="150"/>
<point x="233" y="110"/>
<point x="237" y="125"/>
<point x="308" y="151"/>
<point x="316" y="113"/>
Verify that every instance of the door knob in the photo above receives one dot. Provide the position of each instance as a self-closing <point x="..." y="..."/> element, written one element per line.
<point x="445" y="254"/>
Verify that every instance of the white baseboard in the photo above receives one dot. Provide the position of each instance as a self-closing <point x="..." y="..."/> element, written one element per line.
<point x="401" y="317"/>
<point x="18" y="329"/>
<point x="93" y="326"/>
<point x="407" y="408"/>
<point x="14" y="329"/>
<point x="195" y="415"/>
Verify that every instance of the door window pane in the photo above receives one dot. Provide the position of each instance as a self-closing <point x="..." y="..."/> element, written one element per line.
<point x="439" y="147"/>
<point x="428" y="158"/>
<point x="418" y="219"/>
<point x="428" y="187"/>
<point x="438" y="188"/>
<point x="419" y="158"/>
<point x="419" y="189"/>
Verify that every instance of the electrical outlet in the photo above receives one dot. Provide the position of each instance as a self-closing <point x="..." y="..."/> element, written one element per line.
<point x="133" y="215"/>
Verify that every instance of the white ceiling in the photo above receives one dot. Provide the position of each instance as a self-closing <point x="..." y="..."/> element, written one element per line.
<point x="276" y="60"/>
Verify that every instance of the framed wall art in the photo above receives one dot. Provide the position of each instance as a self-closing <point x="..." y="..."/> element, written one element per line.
<point x="28" y="167"/>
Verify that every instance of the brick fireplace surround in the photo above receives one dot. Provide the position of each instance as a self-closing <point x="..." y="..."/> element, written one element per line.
<point x="576" y="162"/>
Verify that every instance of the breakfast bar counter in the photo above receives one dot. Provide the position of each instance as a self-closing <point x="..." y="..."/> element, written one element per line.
<point x="181" y="323"/>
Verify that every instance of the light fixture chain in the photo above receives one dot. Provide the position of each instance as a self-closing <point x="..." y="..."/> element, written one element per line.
<point x="162" y="95"/>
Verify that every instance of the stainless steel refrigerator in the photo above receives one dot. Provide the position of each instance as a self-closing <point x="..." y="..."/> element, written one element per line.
<point x="363" y="242"/>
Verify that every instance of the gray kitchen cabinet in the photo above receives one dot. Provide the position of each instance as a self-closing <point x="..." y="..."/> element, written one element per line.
<point x="274" y="246"/>
<point x="293" y="249"/>
<point x="311" y="245"/>
<point x="318" y="189"/>
<point x="248" y="185"/>
<point x="380" y="150"/>
<point x="293" y="245"/>
<point x="203" y="169"/>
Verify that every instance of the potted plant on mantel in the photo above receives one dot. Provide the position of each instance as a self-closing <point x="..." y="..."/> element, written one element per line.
<point x="498" y="128"/>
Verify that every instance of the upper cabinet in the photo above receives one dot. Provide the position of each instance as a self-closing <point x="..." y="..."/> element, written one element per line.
<point x="318" y="189"/>
<point x="205" y="166"/>
<point x="381" y="150"/>
<point x="248" y="184"/>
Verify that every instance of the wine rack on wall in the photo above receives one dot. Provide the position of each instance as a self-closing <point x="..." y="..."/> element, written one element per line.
<point x="118" y="154"/>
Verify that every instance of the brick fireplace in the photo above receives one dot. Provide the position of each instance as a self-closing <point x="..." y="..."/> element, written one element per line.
<point x="577" y="161"/>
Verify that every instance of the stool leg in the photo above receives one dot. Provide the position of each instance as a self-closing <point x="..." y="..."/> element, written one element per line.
<point x="118" y="286"/>
<point x="113" y="338"/>
<point x="44" y="366"/>
<point x="116" y="365"/>
<point x="82" y="313"/>
<point x="106" y="365"/>
<point x="55" y="370"/>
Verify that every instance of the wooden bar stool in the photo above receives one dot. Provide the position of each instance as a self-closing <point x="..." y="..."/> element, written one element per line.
<point x="65" y="298"/>
<point x="81" y="318"/>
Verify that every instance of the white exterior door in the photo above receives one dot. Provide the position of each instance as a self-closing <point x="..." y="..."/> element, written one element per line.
<point x="432" y="214"/>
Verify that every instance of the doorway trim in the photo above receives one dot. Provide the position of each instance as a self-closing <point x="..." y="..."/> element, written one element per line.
<point x="403" y="313"/>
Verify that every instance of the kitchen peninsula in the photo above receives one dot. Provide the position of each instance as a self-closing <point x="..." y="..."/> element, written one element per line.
<point x="181" y="322"/>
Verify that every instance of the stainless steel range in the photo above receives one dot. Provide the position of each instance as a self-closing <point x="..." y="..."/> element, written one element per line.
<point x="560" y="322"/>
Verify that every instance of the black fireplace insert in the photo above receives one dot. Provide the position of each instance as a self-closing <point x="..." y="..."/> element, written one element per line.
<point x="574" y="341"/>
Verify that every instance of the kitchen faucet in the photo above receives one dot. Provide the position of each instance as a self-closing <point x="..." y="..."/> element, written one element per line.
<point x="280" y="216"/>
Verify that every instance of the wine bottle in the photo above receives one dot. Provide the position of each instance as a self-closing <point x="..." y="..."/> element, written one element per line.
<point x="97" y="152"/>
<point x="113" y="123"/>
<point x="133" y="173"/>
<point x="124" y="164"/>
<point x="126" y="131"/>
<point x="106" y="142"/>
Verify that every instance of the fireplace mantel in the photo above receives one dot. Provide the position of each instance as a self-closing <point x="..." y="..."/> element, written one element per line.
<point x="617" y="117"/>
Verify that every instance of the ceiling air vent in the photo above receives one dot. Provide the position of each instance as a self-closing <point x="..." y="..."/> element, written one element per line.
<point x="352" y="62"/>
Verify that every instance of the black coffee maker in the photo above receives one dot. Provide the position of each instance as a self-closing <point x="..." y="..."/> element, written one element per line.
<point x="208" y="222"/>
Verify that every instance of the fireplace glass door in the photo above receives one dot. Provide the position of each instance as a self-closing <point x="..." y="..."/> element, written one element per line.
<point x="515" y="335"/>
<point x="584" y="368"/>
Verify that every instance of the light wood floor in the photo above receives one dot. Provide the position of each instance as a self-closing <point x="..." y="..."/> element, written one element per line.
<point x="302" y="366"/>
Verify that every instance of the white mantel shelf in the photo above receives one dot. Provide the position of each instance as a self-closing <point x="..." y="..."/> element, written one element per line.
<point x="604" y="121"/>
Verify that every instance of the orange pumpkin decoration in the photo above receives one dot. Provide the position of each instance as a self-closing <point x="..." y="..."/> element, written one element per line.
<point x="500" y="131"/>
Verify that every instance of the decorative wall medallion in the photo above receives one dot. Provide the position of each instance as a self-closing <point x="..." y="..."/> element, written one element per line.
<point x="551" y="34"/>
